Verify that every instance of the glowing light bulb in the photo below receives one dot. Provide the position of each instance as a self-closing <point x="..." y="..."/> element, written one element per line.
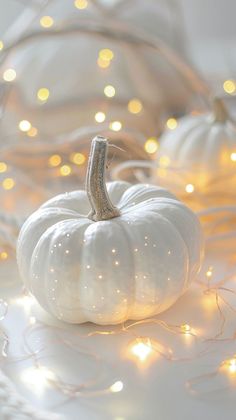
<point x="233" y="157"/>
<point x="100" y="117"/>
<point x="209" y="272"/>
<point x="37" y="378"/>
<point x="77" y="158"/>
<point x="46" y="21"/>
<point x="103" y="63"/>
<point x="189" y="188"/>
<point x="164" y="161"/>
<point x="229" y="86"/>
<point x="24" y="125"/>
<point x="117" y="386"/>
<point x="135" y="106"/>
<point x="43" y="94"/>
<point x="3" y="255"/>
<point x="81" y="4"/>
<point x="54" y="160"/>
<point x="232" y="365"/>
<point x="115" y="125"/>
<point x="3" y="167"/>
<point x="185" y="328"/>
<point x="65" y="170"/>
<point x="1" y="45"/>
<point x="171" y="123"/>
<point x="9" y="75"/>
<point x="106" y="54"/>
<point x="151" y="145"/>
<point x="8" y="183"/>
<point x="32" y="132"/>
<point x="109" y="91"/>
<point x="142" y="349"/>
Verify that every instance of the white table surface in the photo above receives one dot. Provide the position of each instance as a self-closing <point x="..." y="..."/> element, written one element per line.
<point x="154" y="391"/>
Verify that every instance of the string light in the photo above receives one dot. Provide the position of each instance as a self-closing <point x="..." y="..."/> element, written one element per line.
<point x="209" y="272"/>
<point x="164" y="161"/>
<point x="27" y="301"/>
<point x="141" y="349"/>
<point x="65" y="170"/>
<point x="54" y="160"/>
<point x="9" y="75"/>
<point x="106" y="54"/>
<point x="233" y="157"/>
<point x="46" y="21"/>
<point x="37" y="378"/>
<point x="81" y="4"/>
<point x="115" y="125"/>
<point x="77" y="158"/>
<point x="1" y="45"/>
<point x="151" y="145"/>
<point x="43" y="94"/>
<point x="103" y="63"/>
<point x="135" y="106"/>
<point x="230" y="365"/>
<point x="189" y="188"/>
<point x="171" y="123"/>
<point x="100" y="117"/>
<point x="3" y="167"/>
<point x="117" y="386"/>
<point x="109" y="91"/>
<point x="24" y="125"/>
<point x="8" y="183"/>
<point x="185" y="328"/>
<point x="3" y="255"/>
<point x="32" y="132"/>
<point x="229" y="86"/>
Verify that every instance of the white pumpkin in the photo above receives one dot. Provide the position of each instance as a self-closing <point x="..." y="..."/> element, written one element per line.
<point x="201" y="151"/>
<point x="115" y="263"/>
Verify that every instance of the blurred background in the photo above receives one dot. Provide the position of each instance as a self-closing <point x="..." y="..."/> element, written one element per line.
<point x="124" y="69"/>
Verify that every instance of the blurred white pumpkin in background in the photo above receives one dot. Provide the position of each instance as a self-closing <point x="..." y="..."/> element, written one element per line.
<point x="199" y="155"/>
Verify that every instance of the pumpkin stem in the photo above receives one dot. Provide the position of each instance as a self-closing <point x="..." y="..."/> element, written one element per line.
<point x="219" y="110"/>
<point x="102" y="207"/>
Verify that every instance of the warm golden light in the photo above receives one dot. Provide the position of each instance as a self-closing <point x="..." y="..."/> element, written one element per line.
<point x="209" y="272"/>
<point x="1" y="45"/>
<point x="9" y="75"/>
<point x="8" y="183"/>
<point x="142" y="349"/>
<point x="27" y="301"/>
<point x="43" y="94"/>
<point x="189" y="188"/>
<point x="37" y="378"/>
<point x="24" y="125"/>
<point x="229" y="86"/>
<point x="151" y="145"/>
<point x="230" y="365"/>
<point x="164" y="161"/>
<point x="3" y="255"/>
<point x="46" y="21"/>
<point x="115" y="126"/>
<point x="135" y="106"/>
<point x="106" y="54"/>
<point x="185" y="328"/>
<point x="81" y="4"/>
<point x="117" y="386"/>
<point x="109" y="91"/>
<point x="233" y="157"/>
<point x="32" y="132"/>
<point x="77" y="158"/>
<point x="65" y="170"/>
<point x="3" y="167"/>
<point x="100" y="117"/>
<point x="54" y="160"/>
<point x="171" y="123"/>
<point x="103" y="63"/>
